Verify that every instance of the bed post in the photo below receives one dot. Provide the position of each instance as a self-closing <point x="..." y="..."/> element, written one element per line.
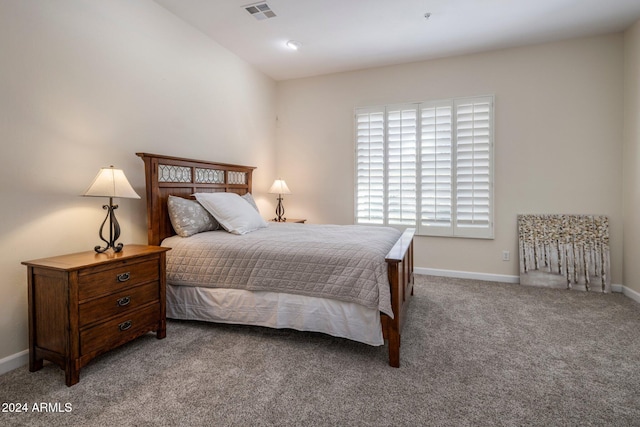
<point x="152" y="191"/>
<point x="400" y="272"/>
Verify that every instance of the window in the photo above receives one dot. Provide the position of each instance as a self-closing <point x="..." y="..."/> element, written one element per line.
<point x="427" y="165"/>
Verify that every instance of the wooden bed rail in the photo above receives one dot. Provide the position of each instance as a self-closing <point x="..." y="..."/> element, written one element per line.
<point x="400" y="271"/>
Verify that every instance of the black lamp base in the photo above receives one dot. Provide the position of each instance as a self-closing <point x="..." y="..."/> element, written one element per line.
<point x="114" y="230"/>
<point x="280" y="211"/>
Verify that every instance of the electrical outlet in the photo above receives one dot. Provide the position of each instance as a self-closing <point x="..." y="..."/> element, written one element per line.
<point x="506" y="255"/>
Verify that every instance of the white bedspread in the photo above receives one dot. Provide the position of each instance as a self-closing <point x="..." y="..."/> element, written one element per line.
<point x="345" y="263"/>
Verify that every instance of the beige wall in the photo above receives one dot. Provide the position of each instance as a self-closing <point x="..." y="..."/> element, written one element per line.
<point x="86" y="84"/>
<point x="631" y="163"/>
<point x="558" y="139"/>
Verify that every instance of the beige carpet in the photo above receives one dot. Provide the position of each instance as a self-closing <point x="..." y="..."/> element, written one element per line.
<point x="473" y="353"/>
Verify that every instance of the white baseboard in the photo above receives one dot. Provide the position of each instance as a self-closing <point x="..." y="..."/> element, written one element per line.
<point x="468" y="275"/>
<point x="504" y="278"/>
<point x="630" y="293"/>
<point x="14" y="361"/>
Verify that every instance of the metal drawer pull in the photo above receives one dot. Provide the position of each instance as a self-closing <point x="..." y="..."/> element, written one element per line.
<point x="124" y="277"/>
<point x="125" y="325"/>
<point x="123" y="301"/>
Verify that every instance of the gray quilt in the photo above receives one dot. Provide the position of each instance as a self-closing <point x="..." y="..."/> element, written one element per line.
<point x="341" y="262"/>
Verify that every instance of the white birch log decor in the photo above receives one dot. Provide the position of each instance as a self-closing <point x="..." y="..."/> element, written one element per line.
<point x="564" y="251"/>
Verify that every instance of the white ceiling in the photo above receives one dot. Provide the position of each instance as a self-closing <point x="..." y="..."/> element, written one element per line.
<point x="342" y="35"/>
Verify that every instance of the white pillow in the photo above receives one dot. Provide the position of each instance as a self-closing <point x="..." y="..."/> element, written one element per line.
<point x="232" y="212"/>
<point x="249" y="198"/>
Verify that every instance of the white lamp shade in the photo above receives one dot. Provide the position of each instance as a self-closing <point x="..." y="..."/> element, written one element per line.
<point x="111" y="182"/>
<point x="279" y="187"/>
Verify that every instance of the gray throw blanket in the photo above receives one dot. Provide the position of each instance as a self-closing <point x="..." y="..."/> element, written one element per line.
<point x="340" y="262"/>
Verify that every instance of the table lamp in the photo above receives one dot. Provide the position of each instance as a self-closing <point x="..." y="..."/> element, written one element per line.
<point x="111" y="182"/>
<point x="279" y="187"/>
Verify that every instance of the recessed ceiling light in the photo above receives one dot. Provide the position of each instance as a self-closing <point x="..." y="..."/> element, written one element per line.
<point x="294" y="45"/>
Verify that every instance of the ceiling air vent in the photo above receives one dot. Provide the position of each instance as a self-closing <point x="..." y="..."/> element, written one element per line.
<point x="260" y="11"/>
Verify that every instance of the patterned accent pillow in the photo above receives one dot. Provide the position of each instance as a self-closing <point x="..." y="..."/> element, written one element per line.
<point x="188" y="217"/>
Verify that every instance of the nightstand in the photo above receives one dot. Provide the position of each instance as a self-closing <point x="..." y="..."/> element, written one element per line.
<point x="84" y="304"/>
<point x="299" y="221"/>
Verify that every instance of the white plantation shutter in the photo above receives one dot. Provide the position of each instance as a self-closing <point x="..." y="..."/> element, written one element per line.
<point x="436" y="169"/>
<point x="370" y="168"/>
<point x="473" y="167"/>
<point x="427" y="165"/>
<point x="402" y="137"/>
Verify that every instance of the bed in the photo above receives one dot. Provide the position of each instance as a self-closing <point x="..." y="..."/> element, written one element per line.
<point x="196" y="291"/>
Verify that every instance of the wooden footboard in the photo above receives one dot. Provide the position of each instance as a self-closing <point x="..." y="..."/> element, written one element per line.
<point x="400" y="271"/>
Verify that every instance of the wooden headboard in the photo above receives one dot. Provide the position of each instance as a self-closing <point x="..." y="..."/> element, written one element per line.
<point x="174" y="176"/>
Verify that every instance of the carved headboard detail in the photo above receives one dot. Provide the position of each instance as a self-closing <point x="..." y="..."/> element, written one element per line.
<point x="175" y="176"/>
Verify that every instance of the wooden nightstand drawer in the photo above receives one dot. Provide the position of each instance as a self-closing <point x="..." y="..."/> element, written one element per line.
<point x="126" y="300"/>
<point x="121" y="275"/>
<point x="119" y="330"/>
